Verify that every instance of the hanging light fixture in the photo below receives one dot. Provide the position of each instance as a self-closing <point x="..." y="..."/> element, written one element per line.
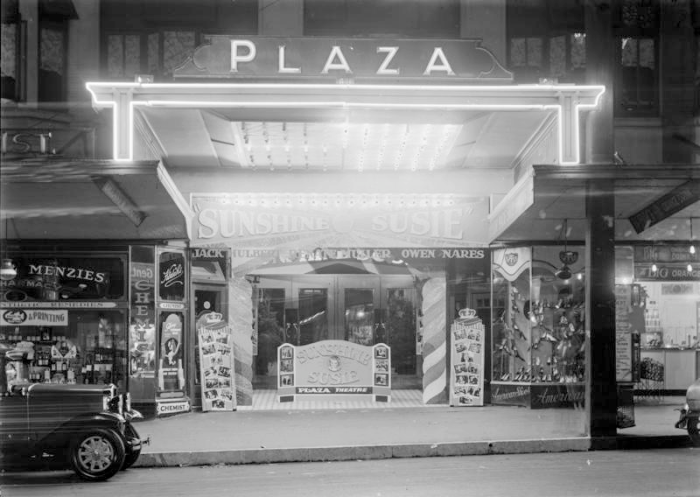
<point x="692" y="244"/>
<point x="7" y="270"/>
<point x="566" y="256"/>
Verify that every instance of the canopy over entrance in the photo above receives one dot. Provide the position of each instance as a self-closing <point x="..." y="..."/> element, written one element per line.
<point x="91" y="199"/>
<point x="651" y="203"/>
<point x="301" y="126"/>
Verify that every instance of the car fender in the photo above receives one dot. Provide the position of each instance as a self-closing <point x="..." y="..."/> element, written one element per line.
<point x="64" y="435"/>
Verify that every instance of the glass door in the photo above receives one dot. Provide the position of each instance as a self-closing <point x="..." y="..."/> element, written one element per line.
<point x="315" y="311"/>
<point x="274" y="321"/>
<point x="399" y="304"/>
<point x="358" y="300"/>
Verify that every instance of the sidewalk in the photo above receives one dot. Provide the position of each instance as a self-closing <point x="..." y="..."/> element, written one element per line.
<point x="249" y="437"/>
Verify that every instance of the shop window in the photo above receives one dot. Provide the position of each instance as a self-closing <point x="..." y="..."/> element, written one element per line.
<point x="67" y="346"/>
<point x="539" y="338"/>
<point x="637" y="77"/>
<point x="156" y="53"/>
<point x="660" y="309"/>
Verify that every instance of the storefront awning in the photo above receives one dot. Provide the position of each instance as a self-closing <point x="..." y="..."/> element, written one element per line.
<point x="90" y="199"/>
<point x="652" y="202"/>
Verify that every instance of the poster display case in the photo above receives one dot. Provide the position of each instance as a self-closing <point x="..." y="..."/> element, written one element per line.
<point x="467" y="373"/>
<point x="171" y="313"/>
<point x="215" y="344"/>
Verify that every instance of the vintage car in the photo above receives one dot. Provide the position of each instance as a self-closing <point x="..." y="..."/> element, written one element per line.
<point x="690" y="414"/>
<point x="57" y="426"/>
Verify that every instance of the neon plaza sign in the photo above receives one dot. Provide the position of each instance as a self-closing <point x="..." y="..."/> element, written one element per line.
<point x="230" y="56"/>
<point x="368" y="74"/>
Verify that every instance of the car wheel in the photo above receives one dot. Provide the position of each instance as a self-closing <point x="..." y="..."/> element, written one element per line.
<point x="130" y="459"/>
<point x="98" y="454"/>
<point x="694" y="431"/>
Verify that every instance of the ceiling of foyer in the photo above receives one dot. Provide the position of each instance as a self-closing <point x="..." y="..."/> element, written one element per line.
<point x="334" y="140"/>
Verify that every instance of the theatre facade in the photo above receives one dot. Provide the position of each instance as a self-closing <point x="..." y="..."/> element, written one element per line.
<point x="345" y="199"/>
<point x="290" y="218"/>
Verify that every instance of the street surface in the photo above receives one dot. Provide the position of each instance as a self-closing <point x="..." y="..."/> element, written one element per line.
<point x="657" y="473"/>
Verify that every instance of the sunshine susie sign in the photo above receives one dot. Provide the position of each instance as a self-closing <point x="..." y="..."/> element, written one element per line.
<point x="334" y="367"/>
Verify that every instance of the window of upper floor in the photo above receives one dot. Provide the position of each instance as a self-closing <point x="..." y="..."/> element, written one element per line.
<point x="371" y="18"/>
<point x="636" y="33"/>
<point x="156" y="52"/>
<point x="11" y="30"/>
<point x="546" y="40"/>
<point x="51" y="57"/>
<point x="155" y="38"/>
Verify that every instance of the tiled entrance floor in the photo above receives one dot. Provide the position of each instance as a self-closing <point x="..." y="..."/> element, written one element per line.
<point x="266" y="400"/>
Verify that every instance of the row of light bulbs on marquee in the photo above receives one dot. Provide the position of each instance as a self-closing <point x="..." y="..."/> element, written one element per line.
<point x="361" y="146"/>
<point x="312" y="200"/>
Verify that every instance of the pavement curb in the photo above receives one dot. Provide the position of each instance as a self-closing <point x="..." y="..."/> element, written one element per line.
<point x="364" y="452"/>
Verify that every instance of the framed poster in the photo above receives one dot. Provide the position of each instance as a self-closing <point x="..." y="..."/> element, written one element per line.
<point x="467" y="351"/>
<point x="216" y="360"/>
<point x="170" y="369"/>
<point x="630" y="306"/>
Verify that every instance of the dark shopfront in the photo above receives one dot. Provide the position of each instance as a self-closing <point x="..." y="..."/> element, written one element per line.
<point x="89" y="293"/>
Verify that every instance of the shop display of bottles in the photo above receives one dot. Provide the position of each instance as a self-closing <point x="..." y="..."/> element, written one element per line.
<point x="100" y="360"/>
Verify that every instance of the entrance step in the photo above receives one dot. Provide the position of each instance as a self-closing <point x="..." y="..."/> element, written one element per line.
<point x="266" y="400"/>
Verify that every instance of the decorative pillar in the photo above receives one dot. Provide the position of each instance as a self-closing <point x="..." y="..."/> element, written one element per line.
<point x="240" y="318"/>
<point x="601" y="387"/>
<point x="600" y="309"/>
<point x="434" y="341"/>
<point x="600" y="65"/>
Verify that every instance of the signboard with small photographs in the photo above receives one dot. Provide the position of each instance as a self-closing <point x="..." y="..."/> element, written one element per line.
<point x="216" y="360"/>
<point x="467" y="365"/>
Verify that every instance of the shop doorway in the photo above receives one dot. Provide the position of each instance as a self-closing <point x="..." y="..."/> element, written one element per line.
<point x="360" y="308"/>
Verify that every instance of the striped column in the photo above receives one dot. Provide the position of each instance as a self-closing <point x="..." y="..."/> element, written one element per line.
<point x="434" y="341"/>
<point x="240" y="317"/>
